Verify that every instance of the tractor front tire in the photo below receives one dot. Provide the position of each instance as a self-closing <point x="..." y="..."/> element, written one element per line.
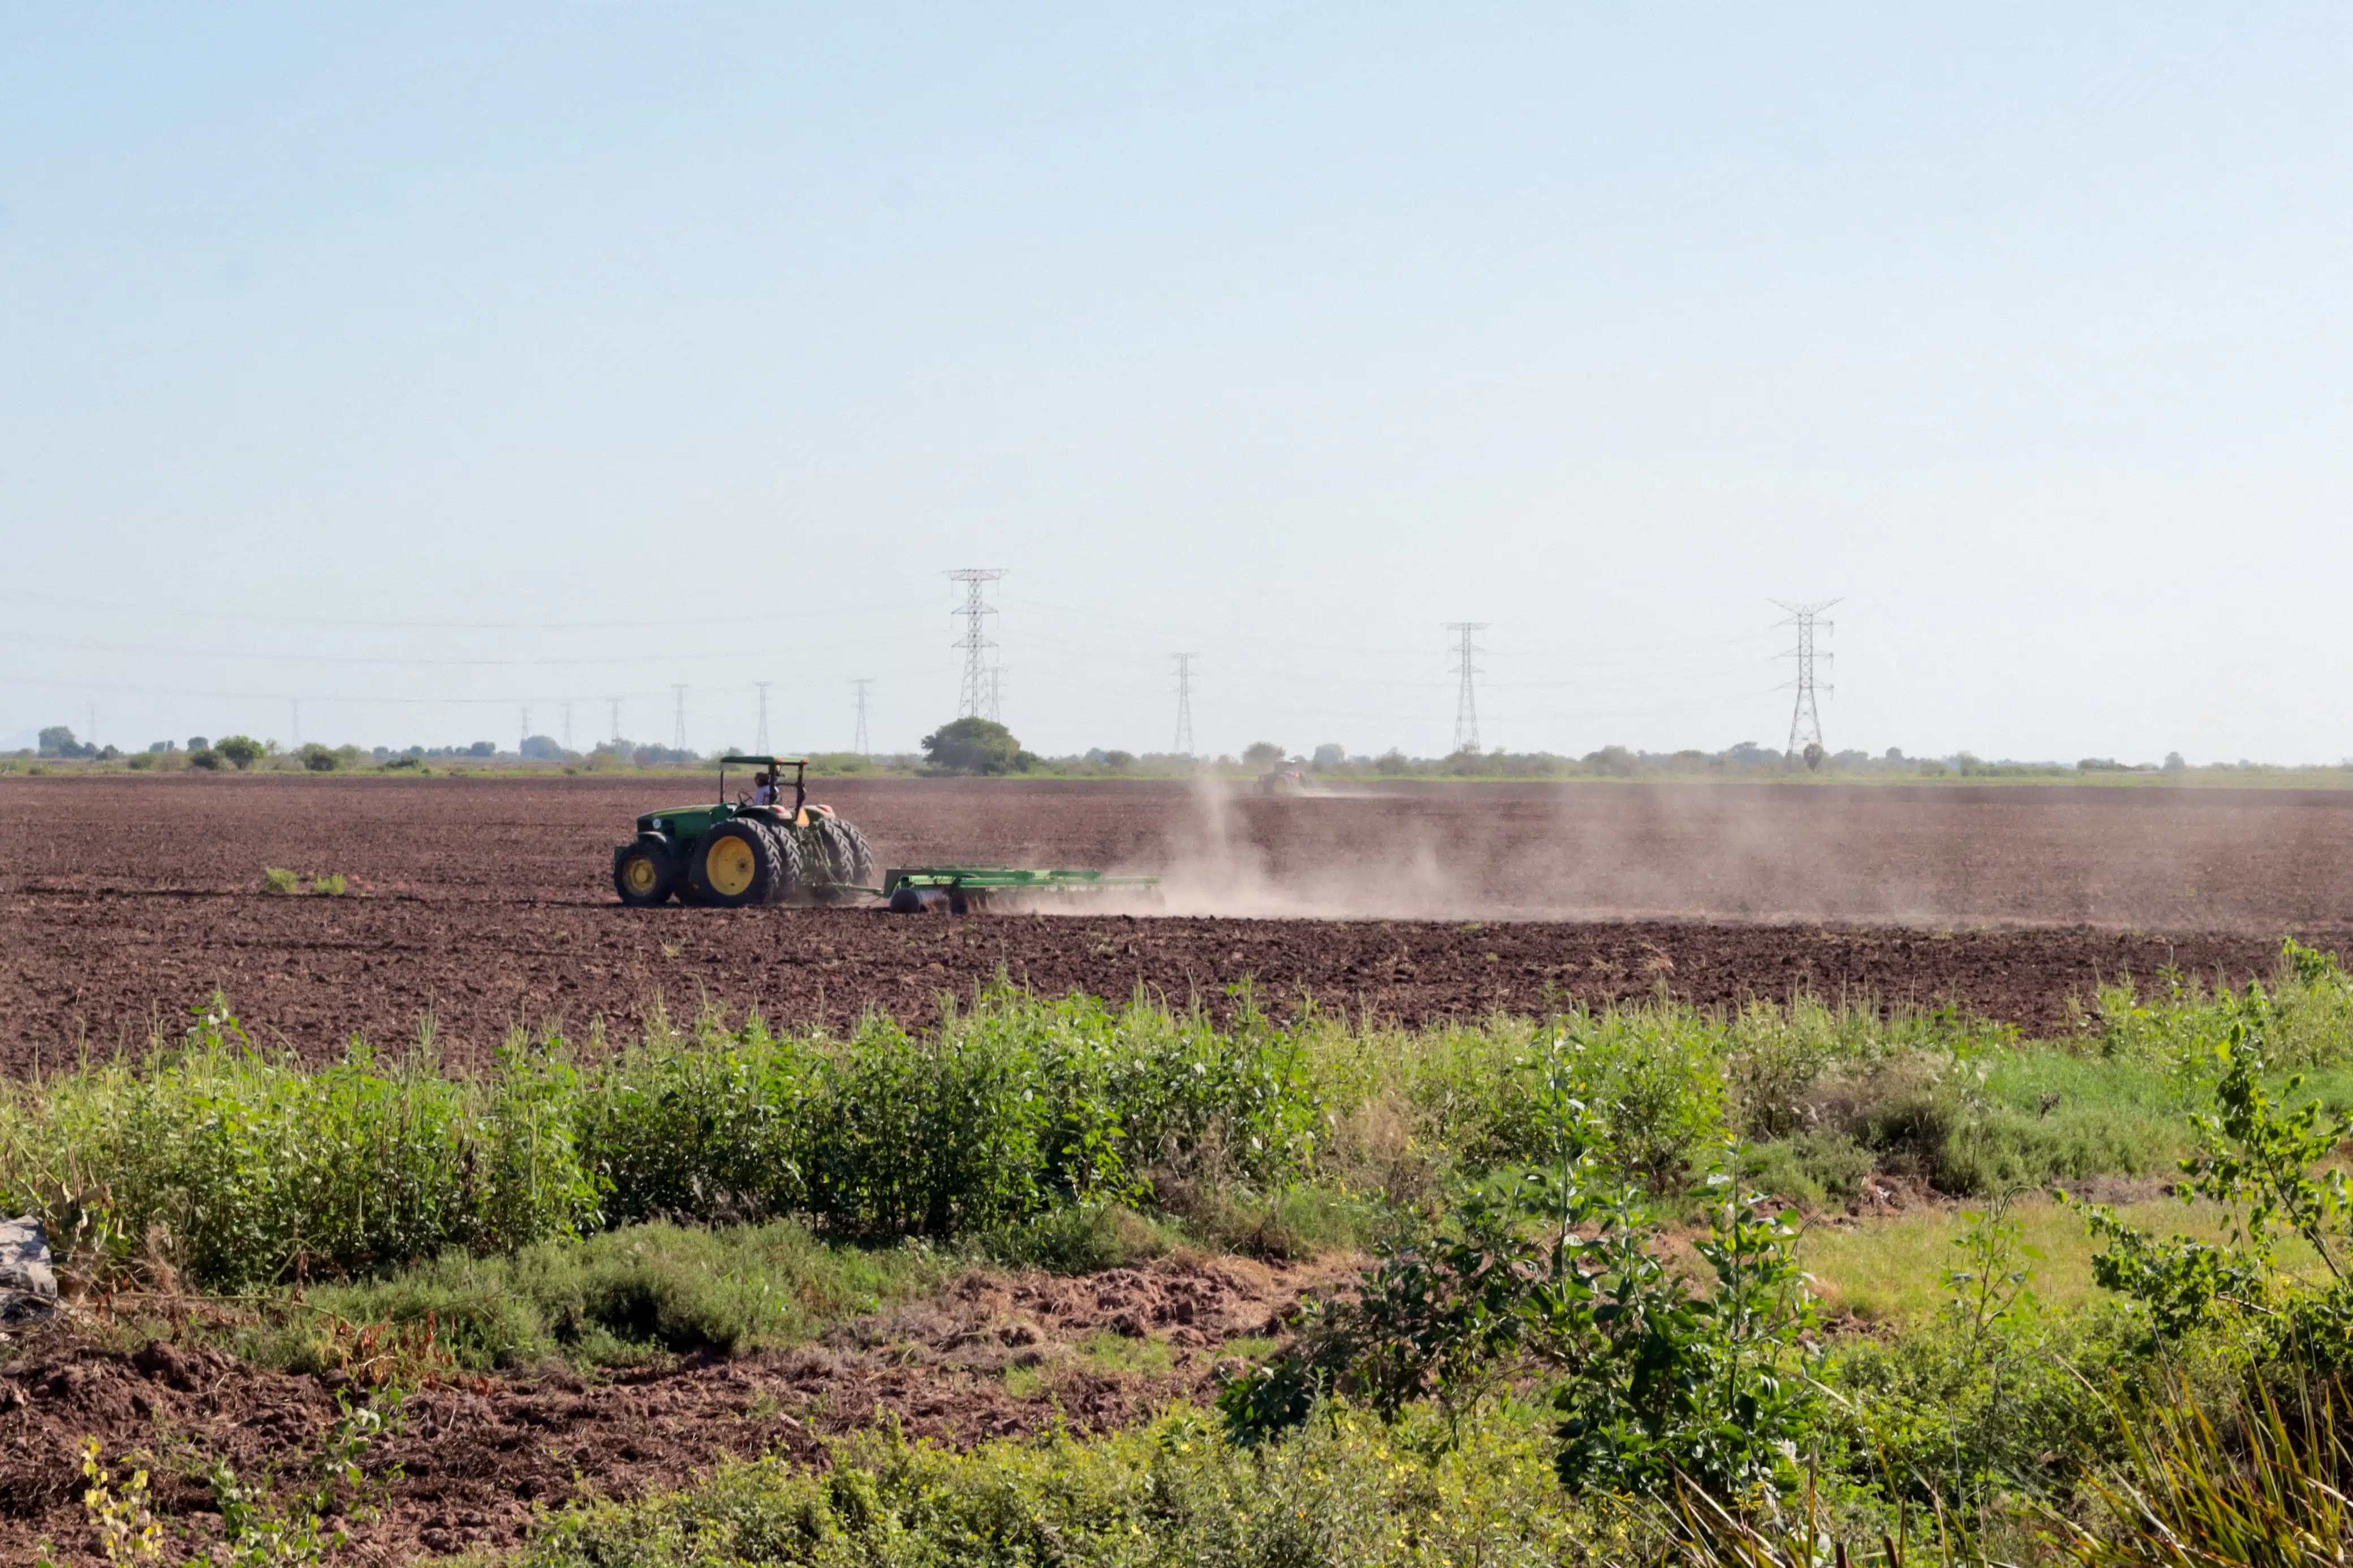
<point x="646" y="873"/>
<point x="739" y="863"/>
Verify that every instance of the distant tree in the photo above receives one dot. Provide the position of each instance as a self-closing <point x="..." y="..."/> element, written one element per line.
<point x="973" y="745"/>
<point x="1815" y="756"/>
<point x="2173" y="762"/>
<point x="1390" y="761"/>
<point x="318" y="759"/>
<point x="204" y="757"/>
<point x="1750" y="754"/>
<point x="1117" y="759"/>
<point x="57" y="741"/>
<point x="482" y="748"/>
<point x="1263" y="755"/>
<point x="240" y="752"/>
<point x="1616" y="760"/>
<point x="543" y="749"/>
<point x="1330" y="754"/>
<point x="198" y="744"/>
<point x="1895" y="754"/>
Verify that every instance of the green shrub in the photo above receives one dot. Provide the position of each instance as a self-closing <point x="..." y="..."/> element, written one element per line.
<point x="613" y="1299"/>
<point x="1810" y="1169"/>
<point x="1081" y="1238"/>
<point x="1171" y="1493"/>
<point x="240" y="752"/>
<point x="281" y="882"/>
<point x="252" y="1170"/>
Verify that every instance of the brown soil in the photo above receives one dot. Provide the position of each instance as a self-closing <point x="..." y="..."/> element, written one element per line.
<point x="125" y="899"/>
<point x="476" y="1459"/>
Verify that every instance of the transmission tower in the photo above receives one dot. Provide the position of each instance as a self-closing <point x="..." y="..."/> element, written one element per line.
<point x="678" y="729"/>
<point x="526" y="729"/>
<point x="567" y="726"/>
<point x="974" y="642"/>
<point x="760" y="744"/>
<point x="996" y="694"/>
<point x="617" y="718"/>
<point x="1184" y="702"/>
<point x="293" y="704"/>
<point x="1805" y="716"/>
<point x="860" y="745"/>
<point x="1466" y="701"/>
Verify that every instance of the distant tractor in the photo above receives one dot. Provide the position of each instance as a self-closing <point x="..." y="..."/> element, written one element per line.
<point x="753" y="849"/>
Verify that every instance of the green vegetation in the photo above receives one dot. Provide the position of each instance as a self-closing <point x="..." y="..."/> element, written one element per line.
<point x="1584" y="1330"/>
<point x="976" y="746"/>
<point x="1277" y="1137"/>
<point x="1174" y="1493"/>
<point x="613" y="1299"/>
<point x="279" y="882"/>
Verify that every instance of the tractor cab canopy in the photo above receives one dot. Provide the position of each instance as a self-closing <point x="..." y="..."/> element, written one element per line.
<point x="774" y="767"/>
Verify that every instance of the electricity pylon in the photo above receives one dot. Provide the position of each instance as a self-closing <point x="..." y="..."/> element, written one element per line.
<point x="760" y="745"/>
<point x="860" y="745"/>
<point x="973" y="701"/>
<point x="1805" y="716"/>
<point x="1184" y="702"/>
<point x="1466" y="700"/>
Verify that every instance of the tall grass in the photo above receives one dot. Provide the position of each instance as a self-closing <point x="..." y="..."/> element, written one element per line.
<point x="242" y="1168"/>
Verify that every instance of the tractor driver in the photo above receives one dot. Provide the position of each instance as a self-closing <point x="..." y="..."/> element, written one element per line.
<point x="763" y="789"/>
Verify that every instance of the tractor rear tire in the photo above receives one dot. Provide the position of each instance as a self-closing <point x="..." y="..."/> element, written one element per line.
<point x="791" y="880"/>
<point x="738" y="864"/>
<point x="849" y="861"/>
<point x="646" y="873"/>
<point x="853" y="858"/>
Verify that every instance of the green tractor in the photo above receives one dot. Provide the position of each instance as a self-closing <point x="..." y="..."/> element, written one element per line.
<point x="755" y="850"/>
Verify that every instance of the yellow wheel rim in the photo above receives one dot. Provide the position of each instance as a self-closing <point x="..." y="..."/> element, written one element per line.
<point x="729" y="867"/>
<point x="639" y="872"/>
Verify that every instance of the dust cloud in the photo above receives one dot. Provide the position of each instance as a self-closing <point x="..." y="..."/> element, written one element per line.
<point x="2150" y="860"/>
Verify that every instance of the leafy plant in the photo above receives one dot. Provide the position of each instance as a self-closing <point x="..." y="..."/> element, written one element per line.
<point x="127" y="1529"/>
<point x="2257" y="1158"/>
<point x="279" y="882"/>
<point x="1554" y="1274"/>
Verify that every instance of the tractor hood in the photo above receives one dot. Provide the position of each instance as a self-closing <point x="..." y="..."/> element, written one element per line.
<point x="685" y="821"/>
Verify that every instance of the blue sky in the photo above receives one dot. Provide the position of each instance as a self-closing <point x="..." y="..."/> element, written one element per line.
<point x="421" y="365"/>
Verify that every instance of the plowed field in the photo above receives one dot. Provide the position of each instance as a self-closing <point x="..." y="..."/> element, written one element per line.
<point x="486" y="901"/>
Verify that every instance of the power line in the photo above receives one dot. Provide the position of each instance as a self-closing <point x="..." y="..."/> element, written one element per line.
<point x="1466" y="700"/>
<point x="206" y="612"/>
<point x="860" y="745"/>
<point x="1184" y="702"/>
<point x="256" y="656"/>
<point x="1805" y="716"/>
<point x="760" y="744"/>
<point x="974" y="643"/>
